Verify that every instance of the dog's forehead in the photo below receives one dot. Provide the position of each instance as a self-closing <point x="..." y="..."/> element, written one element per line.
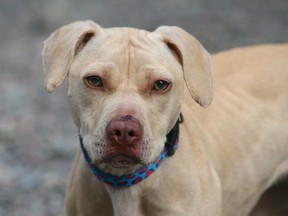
<point x="114" y="41"/>
<point x="125" y="48"/>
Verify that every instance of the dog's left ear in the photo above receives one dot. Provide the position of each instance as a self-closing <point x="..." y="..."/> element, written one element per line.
<point x="195" y="61"/>
<point x="61" y="48"/>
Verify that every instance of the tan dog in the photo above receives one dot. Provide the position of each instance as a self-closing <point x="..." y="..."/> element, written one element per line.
<point x="126" y="88"/>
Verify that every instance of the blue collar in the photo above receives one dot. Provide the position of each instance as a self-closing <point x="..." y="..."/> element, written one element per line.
<point x="143" y="172"/>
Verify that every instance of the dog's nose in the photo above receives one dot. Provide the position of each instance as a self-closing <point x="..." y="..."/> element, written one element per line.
<point x="125" y="130"/>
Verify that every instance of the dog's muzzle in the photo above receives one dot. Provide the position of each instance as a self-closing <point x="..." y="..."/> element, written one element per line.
<point x="145" y="171"/>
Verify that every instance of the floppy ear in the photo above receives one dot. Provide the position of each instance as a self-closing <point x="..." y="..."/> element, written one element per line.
<point x="61" y="48"/>
<point x="195" y="61"/>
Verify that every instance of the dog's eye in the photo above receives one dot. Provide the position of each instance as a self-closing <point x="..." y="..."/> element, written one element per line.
<point x="160" y="85"/>
<point x="94" y="81"/>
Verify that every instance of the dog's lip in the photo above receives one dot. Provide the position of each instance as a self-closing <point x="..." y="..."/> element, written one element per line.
<point x="122" y="160"/>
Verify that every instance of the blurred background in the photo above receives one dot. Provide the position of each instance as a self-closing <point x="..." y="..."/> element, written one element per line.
<point x="38" y="139"/>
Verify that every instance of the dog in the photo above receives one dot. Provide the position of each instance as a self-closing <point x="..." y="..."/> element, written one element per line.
<point x="151" y="141"/>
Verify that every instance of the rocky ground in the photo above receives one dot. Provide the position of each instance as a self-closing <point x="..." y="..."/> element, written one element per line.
<point x="37" y="137"/>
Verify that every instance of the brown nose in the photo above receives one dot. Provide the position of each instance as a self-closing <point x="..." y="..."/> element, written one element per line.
<point x="125" y="130"/>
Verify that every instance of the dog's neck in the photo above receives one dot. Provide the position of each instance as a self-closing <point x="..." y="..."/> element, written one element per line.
<point x="142" y="173"/>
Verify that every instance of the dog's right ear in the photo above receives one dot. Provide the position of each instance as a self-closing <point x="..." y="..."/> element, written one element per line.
<point x="61" y="48"/>
<point x="195" y="61"/>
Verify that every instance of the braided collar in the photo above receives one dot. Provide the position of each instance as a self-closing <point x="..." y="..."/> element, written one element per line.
<point x="143" y="172"/>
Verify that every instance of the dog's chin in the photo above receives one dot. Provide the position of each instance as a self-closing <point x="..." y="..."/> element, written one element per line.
<point x="120" y="164"/>
<point x="122" y="161"/>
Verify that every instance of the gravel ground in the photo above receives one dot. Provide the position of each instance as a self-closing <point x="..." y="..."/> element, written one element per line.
<point x="37" y="137"/>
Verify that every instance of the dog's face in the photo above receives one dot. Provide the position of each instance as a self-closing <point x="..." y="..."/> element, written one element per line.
<point x="121" y="91"/>
<point x="125" y="87"/>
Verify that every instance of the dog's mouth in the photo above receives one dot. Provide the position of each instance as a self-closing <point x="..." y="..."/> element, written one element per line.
<point x="122" y="161"/>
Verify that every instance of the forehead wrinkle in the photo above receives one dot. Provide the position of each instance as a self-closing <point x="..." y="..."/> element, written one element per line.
<point x="137" y="41"/>
<point x="139" y="44"/>
<point x="140" y="40"/>
<point x="124" y="43"/>
<point x="121" y="49"/>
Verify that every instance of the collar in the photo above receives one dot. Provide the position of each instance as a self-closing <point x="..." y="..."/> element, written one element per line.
<point x="143" y="172"/>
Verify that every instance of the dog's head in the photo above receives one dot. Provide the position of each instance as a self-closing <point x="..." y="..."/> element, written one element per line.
<point x="125" y="87"/>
